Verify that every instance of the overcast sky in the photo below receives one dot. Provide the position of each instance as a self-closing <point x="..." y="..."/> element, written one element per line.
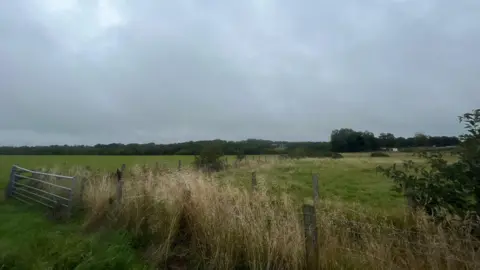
<point x="93" y="71"/>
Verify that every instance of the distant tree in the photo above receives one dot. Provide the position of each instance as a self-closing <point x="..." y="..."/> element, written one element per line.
<point x="421" y="139"/>
<point x="371" y="143"/>
<point x="401" y="142"/>
<point x="342" y="139"/>
<point x="387" y="140"/>
<point x="348" y="140"/>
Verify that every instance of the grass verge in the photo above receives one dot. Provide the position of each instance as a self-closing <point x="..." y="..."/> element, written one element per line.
<point x="30" y="241"/>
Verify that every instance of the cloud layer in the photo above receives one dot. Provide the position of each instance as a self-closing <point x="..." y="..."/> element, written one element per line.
<point x="78" y="72"/>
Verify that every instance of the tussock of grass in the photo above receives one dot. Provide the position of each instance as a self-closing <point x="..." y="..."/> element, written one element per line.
<point x="185" y="218"/>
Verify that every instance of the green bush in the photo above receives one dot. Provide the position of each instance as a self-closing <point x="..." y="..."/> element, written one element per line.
<point x="210" y="158"/>
<point x="336" y="155"/>
<point x="379" y="154"/>
<point x="441" y="188"/>
<point x="240" y="155"/>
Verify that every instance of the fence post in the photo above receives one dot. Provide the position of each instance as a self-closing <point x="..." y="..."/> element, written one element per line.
<point x="82" y="189"/>
<point x="310" y="225"/>
<point x="119" y="186"/>
<point x="72" y="191"/>
<point x="265" y="158"/>
<point x="254" y="181"/>
<point x="11" y="182"/>
<point x="316" y="190"/>
<point x="179" y="164"/>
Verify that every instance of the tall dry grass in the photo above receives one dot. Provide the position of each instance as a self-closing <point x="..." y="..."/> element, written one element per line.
<point x="190" y="220"/>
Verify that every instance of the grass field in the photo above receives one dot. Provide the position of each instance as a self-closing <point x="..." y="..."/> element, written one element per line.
<point x="230" y="225"/>
<point x="351" y="179"/>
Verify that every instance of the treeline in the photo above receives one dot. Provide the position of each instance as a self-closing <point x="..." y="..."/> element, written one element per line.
<point x="247" y="147"/>
<point x="348" y="140"/>
<point x="341" y="140"/>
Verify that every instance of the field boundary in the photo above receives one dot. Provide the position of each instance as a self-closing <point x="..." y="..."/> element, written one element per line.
<point x="35" y="187"/>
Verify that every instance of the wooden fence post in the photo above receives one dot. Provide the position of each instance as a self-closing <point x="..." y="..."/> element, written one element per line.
<point x="254" y="181"/>
<point x="119" y="187"/>
<point x="82" y="188"/>
<point x="11" y="182"/>
<point x="316" y="190"/>
<point x="71" y="202"/>
<point x="310" y="225"/>
<point x="179" y="164"/>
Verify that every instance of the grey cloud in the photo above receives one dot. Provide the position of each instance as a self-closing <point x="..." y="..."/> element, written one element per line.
<point x="181" y="70"/>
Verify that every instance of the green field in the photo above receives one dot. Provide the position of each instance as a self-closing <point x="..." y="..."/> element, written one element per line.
<point x="351" y="181"/>
<point x="97" y="162"/>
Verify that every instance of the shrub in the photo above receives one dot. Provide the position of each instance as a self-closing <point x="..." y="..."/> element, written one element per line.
<point x="379" y="154"/>
<point x="210" y="158"/>
<point x="336" y="155"/>
<point x="441" y="188"/>
<point x="240" y="155"/>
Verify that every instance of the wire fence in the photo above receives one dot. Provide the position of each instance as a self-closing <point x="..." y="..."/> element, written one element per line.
<point x="324" y="231"/>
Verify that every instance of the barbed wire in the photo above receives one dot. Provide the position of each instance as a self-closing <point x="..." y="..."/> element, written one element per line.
<point x="473" y="262"/>
<point x="384" y="227"/>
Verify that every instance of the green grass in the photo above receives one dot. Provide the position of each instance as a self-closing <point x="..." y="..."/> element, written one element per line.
<point x="30" y="241"/>
<point x="109" y="163"/>
<point x="351" y="179"/>
<point x="95" y="162"/>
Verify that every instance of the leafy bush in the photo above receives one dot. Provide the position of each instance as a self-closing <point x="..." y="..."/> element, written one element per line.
<point x="240" y="155"/>
<point x="211" y="158"/>
<point x="441" y="188"/>
<point x="379" y="154"/>
<point x="336" y="155"/>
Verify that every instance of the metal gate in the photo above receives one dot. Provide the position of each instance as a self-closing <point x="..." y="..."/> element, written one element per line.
<point x="35" y="187"/>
